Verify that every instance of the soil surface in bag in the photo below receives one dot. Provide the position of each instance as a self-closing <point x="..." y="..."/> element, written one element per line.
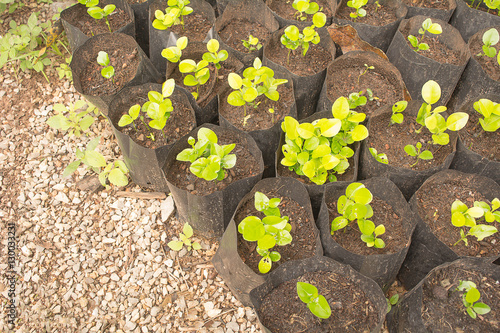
<point x="377" y="16"/>
<point x="391" y="140"/>
<point x="486" y="144"/>
<point x="258" y="118"/>
<point x="315" y="60"/>
<point x="303" y="243"/>
<point x="237" y="30"/>
<point x="246" y="166"/>
<point x="285" y="9"/>
<point x="124" y="59"/>
<point x="443" y="309"/>
<point x="352" y="311"/>
<point x="92" y="27"/>
<point x="489" y="65"/>
<point x="180" y="123"/>
<point x="437" y="51"/>
<point x="434" y="208"/>
<point x="132" y="2"/>
<point x="350" y="237"/>
<point x="436" y="4"/>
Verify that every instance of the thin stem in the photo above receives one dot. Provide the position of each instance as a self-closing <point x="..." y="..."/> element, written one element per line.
<point x="461" y="239"/>
<point x="107" y="22"/>
<point x="288" y="57"/>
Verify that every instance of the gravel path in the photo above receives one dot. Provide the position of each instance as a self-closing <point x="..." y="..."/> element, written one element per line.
<point x="93" y="262"/>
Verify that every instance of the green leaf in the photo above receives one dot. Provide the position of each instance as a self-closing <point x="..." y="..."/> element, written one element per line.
<point x="72" y="167"/>
<point x="457" y="121"/>
<point x="362" y="196"/>
<point x="250" y="94"/>
<point x="379" y="243"/>
<point x="320" y="307"/>
<point x="167" y="88"/>
<point x="289" y="126"/>
<point x="108" y="72"/>
<point x="482" y="231"/>
<point x="213" y="45"/>
<point x="306" y="292"/>
<point x="175" y="245"/>
<point x="319" y="20"/>
<point x="410" y="150"/>
<point x="431" y="92"/>
<point x="265" y="265"/>
<point x="472" y="295"/>
<point x="102" y="58"/>
<point x="252" y="228"/>
<point x="117" y="178"/>
<point x="435" y="29"/>
<point x="59" y="122"/>
<point x="187" y="66"/>
<point x="187" y="230"/>
<point x="234" y="81"/>
<point x="94" y="159"/>
<point x="426" y="155"/>
<point x="481" y="308"/>
<point x="359" y="133"/>
<point x="235" y="98"/>
<point x="340" y="108"/>
<point x="366" y="227"/>
<point x="292" y="32"/>
<point x="457" y="219"/>
<point x="306" y="130"/>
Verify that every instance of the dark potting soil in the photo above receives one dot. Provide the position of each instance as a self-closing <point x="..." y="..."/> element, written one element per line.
<point x="352" y="311"/>
<point x="132" y="2"/>
<point x="92" y="27"/>
<point x="350" y="237"/>
<point x="316" y="59"/>
<point x="349" y="80"/>
<point x="285" y="9"/>
<point x="237" y="30"/>
<point x="486" y="144"/>
<point x="391" y="140"/>
<point x="434" y="207"/>
<point x="246" y="166"/>
<point x="258" y="118"/>
<point x="374" y="16"/>
<point x="443" y="309"/>
<point x="196" y="27"/>
<point x="181" y="121"/>
<point x="479" y="5"/>
<point x="303" y="243"/>
<point x="436" y="4"/>
<point x="489" y="65"/>
<point x="437" y="51"/>
<point x="125" y="61"/>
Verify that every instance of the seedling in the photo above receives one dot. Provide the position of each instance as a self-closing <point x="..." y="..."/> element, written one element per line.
<point x="491" y="113"/>
<point x="116" y="172"/>
<point x="272" y="230"/>
<point x="357" y="4"/>
<point x="427" y="25"/>
<point x="490" y="38"/>
<point x="200" y="76"/>
<point x="397" y="112"/>
<point x="174" y="53"/>
<point x="215" y="56"/>
<point x="292" y="38"/>
<point x="377" y="6"/>
<point x="75" y="122"/>
<point x="492" y="5"/>
<point x="252" y="43"/>
<point x="100" y="13"/>
<point x="257" y="80"/>
<point x="471" y="298"/>
<point x="382" y="158"/>
<point x="184" y="236"/>
<point x="317" y="304"/>
<point x="304" y="7"/>
<point x="320" y="149"/>
<point x="358" y="99"/>
<point x="354" y="205"/>
<point x="174" y="14"/>
<point x="367" y="68"/>
<point x="392" y="301"/>
<point x="89" y="3"/>
<point x="462" y="216"/>
<point x="108" y="71"/>
<point x="208" y="159"/>
<point x="415" y="151"/>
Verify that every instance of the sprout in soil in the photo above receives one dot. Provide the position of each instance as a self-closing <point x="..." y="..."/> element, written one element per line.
<point x="184" y="236"/>
<point x="174" y="14"/>
<point x="108" y="71"/>
<point x="367" y="68"/>
<point x="462" y="216"/>
<point x="257" y="80"/>
<point x="427" y="25"/>
<point x="357" y="4"/>
<point x="470" y="299"/>
<point x="354" y="205"/>
<point x="292" y="38"/>
<point x="377" y="6"/>
<point x="393" y="300"/>
<point x="116" y="172"/>
<point x="358" y="99"/>
<point x="272" y="230"/>
<point x="100" y="13"/>
<point x="252" y="43"/>
<point x="214" y="56"/>
<point x="200" y="74"/>
<point x="304" y="7"/>
<point x="174" y="53"/>
<point x="208" y="159"/>
<point x="317" y="304"/>
<point x="397" y="112"/>
<point x="382" y="158"/>
<point x="491" y="113"/>
<point x="492" y="5"/>
<point x="415" y="151"/>
<point x="76" y="122"/>
<point x="490" y="38"/>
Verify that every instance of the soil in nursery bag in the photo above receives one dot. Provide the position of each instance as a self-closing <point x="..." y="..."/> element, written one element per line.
<point x="377" y="16"/>
<point x="237" y="30"/>
<point x="352" y="311"/>
<point x="285" y="10"/>
<point x="440" y="9"/>
<point x="469" y="20"/>
<point x="436" y="4"/>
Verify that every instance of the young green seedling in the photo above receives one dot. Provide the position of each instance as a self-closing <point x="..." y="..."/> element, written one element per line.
<point x="208" y="159"/>
<point x="272" y="230"/>
<point x="462" y="216"/>
<point x="357" y="4"/>
<point x="257" y="80"/>
<point x="354" y="205"/>
<point x="174" y="53"/>
<point x="108" y="71"/>
<point x="492" y="5"/>
<point x="491" y="113"/>
<point x="303" y="7"/>
<point x="252" y="43"/>
<point x="116" y="172"/>
<point x="215" y="56"/>
<point x="377" y="6"/>
<point x="89" y="3"/>
<point x="415" y="151"/>
<point x="200" y="76"/>
<point x="392" y="301"/>
<point x="91" y="158"/>
<point x="427" y="25"/>
<point x="317" y="304"/>
<point x="174" y="14"/>
<point x="367" y="68"/>
<point x="76" y="122"/>
<point x="490" y="38"/>
<point x="397" y="112"/>
<point x="471" y="298"/>
<point x="382" y="158"/>
<point x="358" y="99"/>
<point x="100" y="13"/>
<point x="292" y="38"/>
<point x="184" y="236"/>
